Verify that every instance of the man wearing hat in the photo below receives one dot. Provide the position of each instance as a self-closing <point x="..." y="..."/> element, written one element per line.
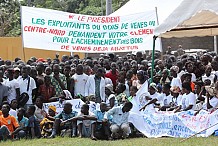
<point x="13" y="86"/>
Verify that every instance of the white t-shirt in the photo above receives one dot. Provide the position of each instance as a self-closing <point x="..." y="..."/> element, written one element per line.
<point x="213" y="102"/>
<point x="193" y="77"/>
<point x="12" y="86"/>
<point x="115" y="100"/>
<point x="86" y="123"/>
<point x="13" y="112"/>
<point x="150" y="107"/>
<point x="211" y="78"/>
<point x="164" y="100"/>
<point x="79" y="83"/>
<point x="177" y="101"/>
<point x="176" y="82"/>
<point x="108" y="81"/>
<point x="23" y="87"/>
<point x="188" y="99"/>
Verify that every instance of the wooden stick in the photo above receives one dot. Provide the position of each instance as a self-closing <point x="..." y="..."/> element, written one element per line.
<point x="198" y="133"/>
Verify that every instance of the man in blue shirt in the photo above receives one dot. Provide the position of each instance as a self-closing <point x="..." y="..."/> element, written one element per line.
<point x="102" y="127"/>
<point x="64" y="120"/>
<point x="23" y="122"/>
<point x="120" y="126"/>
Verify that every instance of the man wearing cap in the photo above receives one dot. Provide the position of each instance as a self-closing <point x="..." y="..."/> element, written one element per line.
<point x="13" y="86"/>
<point x="16" y="73"/>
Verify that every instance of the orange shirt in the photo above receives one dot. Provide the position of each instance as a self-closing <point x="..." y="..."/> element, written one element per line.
<point x="10" y="122"/>
<point x="193" y="86"/>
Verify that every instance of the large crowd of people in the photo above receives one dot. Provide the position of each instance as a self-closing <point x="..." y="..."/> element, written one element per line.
<point x="180" y="82"/>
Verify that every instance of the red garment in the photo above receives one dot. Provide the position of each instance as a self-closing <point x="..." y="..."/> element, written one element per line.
<point x="46" y="92"/>
<point x="113" y="77"/>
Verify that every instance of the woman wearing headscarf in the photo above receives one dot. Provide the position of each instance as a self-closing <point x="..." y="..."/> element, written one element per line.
<point x="176" y="81"/>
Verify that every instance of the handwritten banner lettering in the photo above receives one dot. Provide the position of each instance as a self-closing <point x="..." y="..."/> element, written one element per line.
<point x="62" y="31"/>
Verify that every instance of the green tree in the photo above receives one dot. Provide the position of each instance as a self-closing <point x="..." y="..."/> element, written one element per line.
<point x="10" y="22"/>
<point x="9" y="18"/>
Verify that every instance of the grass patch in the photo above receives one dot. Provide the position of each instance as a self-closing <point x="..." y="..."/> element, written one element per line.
<point x="210" y="141"/>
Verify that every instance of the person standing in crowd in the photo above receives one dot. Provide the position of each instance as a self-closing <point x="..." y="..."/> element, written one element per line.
<point x="58" y="80"/>
<point x="70" y="82"/>
<point x="13" y="86"/>
<point x="3" y="90"/>
<point x="80" y="80"/>
<point x="95" y="85"/>
<point x="113" y="74"/>
<point x="119" y="126"/>
<point x="47" y="91"/>
<point x="27" y="85"/>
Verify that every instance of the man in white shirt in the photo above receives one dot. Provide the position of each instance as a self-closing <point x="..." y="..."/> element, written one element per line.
<point x="13" y="86"/>
<point x="120" y="123"/>
<point x="96" y="86"/>
<point x="27" y="85"/>
<point x="80" y="80"/>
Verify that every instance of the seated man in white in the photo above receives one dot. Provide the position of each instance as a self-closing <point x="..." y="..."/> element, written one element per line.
<point x="119" y="126"/>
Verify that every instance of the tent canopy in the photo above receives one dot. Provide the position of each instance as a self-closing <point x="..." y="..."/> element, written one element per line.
<point x="191" y="18"/>
<point x="164" y="7"/>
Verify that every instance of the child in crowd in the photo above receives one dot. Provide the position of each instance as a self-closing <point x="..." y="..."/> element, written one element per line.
<point x="46" y="124"/>
<point x="23" y="122"/>
<point x="33" y="126"/>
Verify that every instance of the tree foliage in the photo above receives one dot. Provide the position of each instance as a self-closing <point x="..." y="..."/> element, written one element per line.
<point x="10" y="22"/>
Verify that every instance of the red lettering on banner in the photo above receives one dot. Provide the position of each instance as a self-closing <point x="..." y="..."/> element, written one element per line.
<point x="71" y="16"/>
<point x="142" y="32"/>
<point x="35" y="29"/>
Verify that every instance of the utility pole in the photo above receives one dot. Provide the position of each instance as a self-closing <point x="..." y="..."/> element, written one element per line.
<point x="28" y="3"/>
<point x="108" y="7"/>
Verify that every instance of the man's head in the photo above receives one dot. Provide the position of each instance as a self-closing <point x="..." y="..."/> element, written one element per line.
<point x="31" y="110"/>
<point x="113" y="66"/>
<point x="103" y="107"/>
<point x="133" y="90"/>
<point x="48" y="71"/>
<point x="120" y="88"/>
<point x="85" y="109"/>
<point x="99" y="73"/>
<point x="166" y="88"/>
<point x="5" y="109"/>
<point x="67" y="70"/>
<point x="56" y="69"/>
<point x="24" y="72"/>
<point x="67" y="108"/>
<point x="79" y="69"/>
<point x="14" y="104"/>
<point x="127" y="107"/>
<point x="47" y="80"/>
<point x="21" y="112"/>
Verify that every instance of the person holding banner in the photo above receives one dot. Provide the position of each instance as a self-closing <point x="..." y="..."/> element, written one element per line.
<point x="188" y="101"/>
